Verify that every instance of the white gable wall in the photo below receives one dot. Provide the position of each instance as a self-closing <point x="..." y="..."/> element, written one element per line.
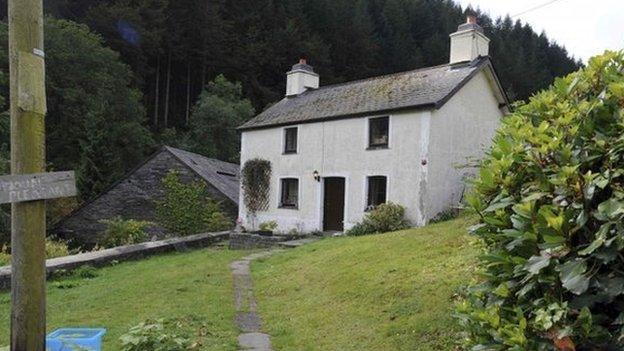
<point x="460" y="131"/>
<point x="338" y="149"/>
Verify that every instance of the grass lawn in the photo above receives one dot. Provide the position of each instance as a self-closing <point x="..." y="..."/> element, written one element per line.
<point x="383" y="292"/>
<point x="192" y="284"/>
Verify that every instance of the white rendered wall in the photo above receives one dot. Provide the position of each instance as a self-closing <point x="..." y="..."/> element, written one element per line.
<point x="461" y="130"/>
<point x="339" y="149"/>
<point x="468" y="45"/>
<point x="299" y="81"/>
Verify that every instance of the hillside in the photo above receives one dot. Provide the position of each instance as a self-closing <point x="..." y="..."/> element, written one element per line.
<point x="189" y="42"/>
<point x="383" y="292"/>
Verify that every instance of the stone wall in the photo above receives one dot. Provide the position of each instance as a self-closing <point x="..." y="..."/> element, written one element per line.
<point x="132" y="198"/>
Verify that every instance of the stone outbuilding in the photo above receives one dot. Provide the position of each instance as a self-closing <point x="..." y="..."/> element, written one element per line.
<point x="133" y="196"/>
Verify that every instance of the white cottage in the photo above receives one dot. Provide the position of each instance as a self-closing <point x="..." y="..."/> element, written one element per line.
<point x="337" y="151"/>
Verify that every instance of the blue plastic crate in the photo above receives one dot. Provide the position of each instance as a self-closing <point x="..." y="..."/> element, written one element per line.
<point x="75" y="339"/>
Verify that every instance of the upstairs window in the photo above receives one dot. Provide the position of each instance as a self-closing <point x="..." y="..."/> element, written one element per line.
<point x="290" y="140"/>
<point x="290" y="193"/>
<point x="377" y="186"/>
<point x="378" y="132"/>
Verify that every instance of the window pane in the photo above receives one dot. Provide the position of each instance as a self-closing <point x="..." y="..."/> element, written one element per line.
<point x="376" y="191"/>
<point x="290" y="140"/>
<point x="378" y="131"/>
<point x="290" y="193"/>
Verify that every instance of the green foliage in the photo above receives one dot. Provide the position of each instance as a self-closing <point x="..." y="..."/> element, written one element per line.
<point x="220" y="109"/>
<point x="165" y="334"/>
<point x="56" y="248"/>
<point x="255" y="42"/>
<point x="188" y="209"/>
<point x="268" y="226"/>
<point x="256" y="183"/>
<point x="53" y="248"/>
<point x="387" y="217"/>
<point x="121" y="231"/>
<point x="550" y="196"/>
<point x="5" y="256"/>
<point x="85" y="272"/>
<point x="94" y="119"/>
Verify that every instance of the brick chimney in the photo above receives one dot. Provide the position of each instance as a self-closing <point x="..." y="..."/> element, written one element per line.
<point x="301" y="78"/>
<point x="468" y="42"/>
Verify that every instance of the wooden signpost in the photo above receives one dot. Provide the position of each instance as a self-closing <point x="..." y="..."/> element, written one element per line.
<point x="39" y="186"/>
<point x="27" y="188"/>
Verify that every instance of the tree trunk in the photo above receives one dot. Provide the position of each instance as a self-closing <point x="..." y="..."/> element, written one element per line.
<point x="157" y="93"/>
<point x="203" y="80"/>
<point x="28" y="108"/>
<point x="188" y="91"/>
<point x="167" y="89"/>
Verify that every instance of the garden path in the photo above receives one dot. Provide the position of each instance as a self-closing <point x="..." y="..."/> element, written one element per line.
<point x="247" y="319"/>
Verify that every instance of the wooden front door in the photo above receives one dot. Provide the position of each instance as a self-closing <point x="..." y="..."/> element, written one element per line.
<point x="333" y="203"/>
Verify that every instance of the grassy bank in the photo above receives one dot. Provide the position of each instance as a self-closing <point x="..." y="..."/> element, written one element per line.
<point x="193" y="284"/>
<point x="384" y="292"/>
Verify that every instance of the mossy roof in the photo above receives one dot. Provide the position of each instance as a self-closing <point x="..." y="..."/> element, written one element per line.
<point x="427" y="87"/>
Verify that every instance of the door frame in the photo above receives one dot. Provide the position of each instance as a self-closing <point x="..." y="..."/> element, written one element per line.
<point x="321" y="197"/>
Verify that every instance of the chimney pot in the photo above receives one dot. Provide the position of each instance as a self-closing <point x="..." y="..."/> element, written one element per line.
<point x="469" y="42"/>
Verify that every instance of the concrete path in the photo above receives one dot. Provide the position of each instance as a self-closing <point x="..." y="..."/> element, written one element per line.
<point x="247" y="318"/>
<point x="296" y="243"/>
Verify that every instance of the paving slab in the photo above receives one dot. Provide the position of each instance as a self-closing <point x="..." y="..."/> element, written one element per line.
<point x="296" y="243"/>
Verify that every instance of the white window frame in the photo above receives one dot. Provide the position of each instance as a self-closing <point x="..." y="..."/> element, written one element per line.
<point x="284" y="140"/>
<point x="367" y="132"/>
<point x="280" y="189"/>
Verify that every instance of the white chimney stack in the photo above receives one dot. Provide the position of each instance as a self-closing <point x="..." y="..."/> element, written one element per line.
<point x="301" y="78"/>
<point x="468" y="42"/>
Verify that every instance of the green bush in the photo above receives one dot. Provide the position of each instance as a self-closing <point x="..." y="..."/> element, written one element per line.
<point x="268" y="226"/>
<point x="550" y="196"/>
<point x="121" y="232"/>
<point x="5" y="256"/>
<point x="384" y="218"/>
<point x="53" y="248"/>
<point x="188" y="209"/>
<point x="56" y="248"/>
<point x="172" y="334"/>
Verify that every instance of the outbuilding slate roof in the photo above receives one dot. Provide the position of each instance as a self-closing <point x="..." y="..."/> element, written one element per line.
<point x="422" y="88"/>
<point x="224" y="176"/>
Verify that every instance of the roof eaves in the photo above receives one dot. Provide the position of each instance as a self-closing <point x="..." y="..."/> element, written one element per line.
<point x="425" y="106"/>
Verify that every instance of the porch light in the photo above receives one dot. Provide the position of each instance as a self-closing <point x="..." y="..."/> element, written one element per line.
<point x="316" y="176"/>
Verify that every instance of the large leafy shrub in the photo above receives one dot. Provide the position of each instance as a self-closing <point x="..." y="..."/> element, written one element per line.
<point x="550" y="196"/>
<point x="188" y="209"/>
<point x="384" y="218"/>
<point x="166" y="334"/>
<point x="121" y="231"/>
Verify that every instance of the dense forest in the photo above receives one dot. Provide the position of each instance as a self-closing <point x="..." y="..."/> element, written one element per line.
<point x="125" y="75"/>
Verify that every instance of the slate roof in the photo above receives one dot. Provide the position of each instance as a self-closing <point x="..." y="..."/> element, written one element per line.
<point x="422" y="88"/>
<point x="222" y="175"/>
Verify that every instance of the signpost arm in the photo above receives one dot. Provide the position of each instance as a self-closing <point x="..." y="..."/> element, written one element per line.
<point x="28" y="108"/>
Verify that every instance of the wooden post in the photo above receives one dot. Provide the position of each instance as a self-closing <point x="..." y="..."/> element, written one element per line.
<point x="28" y="108"/>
